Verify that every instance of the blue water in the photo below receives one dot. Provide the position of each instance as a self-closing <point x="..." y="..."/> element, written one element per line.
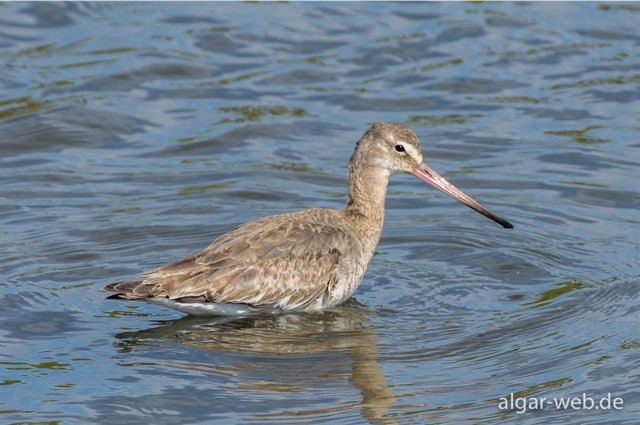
<point x="133" y="134"/>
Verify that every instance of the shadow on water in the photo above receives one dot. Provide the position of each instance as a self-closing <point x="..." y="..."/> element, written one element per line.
<point x="285" y="354"/>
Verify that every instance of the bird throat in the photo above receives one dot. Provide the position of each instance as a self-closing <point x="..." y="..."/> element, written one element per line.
<point x="367" y="193"/>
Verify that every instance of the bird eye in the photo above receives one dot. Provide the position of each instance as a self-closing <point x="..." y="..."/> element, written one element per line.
<point x="399" y="148"/>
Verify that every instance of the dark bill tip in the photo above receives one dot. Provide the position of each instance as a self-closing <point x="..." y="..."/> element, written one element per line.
<point x="504" y="223"/>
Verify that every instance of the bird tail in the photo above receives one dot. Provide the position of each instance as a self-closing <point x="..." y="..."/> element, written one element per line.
<point x="129" y="290"/>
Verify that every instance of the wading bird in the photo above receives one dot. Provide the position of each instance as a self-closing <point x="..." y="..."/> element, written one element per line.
<point x="307" y="260"/>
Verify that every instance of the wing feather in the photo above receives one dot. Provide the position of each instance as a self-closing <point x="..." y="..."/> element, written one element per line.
<point x="278" y="263"/>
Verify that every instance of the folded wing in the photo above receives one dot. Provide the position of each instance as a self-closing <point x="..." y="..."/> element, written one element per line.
<point x="287" y="264"/>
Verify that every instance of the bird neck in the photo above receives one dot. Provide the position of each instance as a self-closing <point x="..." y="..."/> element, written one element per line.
<point x="367" y="192"/>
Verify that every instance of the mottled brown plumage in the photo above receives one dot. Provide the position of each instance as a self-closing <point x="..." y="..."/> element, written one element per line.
<point x="306" y="260"/>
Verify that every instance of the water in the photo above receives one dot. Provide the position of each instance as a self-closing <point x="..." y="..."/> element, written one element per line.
<point x="133" y="134"/>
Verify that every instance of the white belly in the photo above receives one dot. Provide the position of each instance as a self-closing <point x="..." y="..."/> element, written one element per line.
<point x="212" y="308"/>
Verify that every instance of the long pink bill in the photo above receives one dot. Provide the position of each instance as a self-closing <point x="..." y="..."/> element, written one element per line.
<point x="429" y="176"/>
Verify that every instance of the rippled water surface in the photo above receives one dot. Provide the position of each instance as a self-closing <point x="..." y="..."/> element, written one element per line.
<point x="132" y="134"/>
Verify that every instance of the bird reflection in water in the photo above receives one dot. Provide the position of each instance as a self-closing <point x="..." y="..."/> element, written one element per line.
<point x="305" y="343"/>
